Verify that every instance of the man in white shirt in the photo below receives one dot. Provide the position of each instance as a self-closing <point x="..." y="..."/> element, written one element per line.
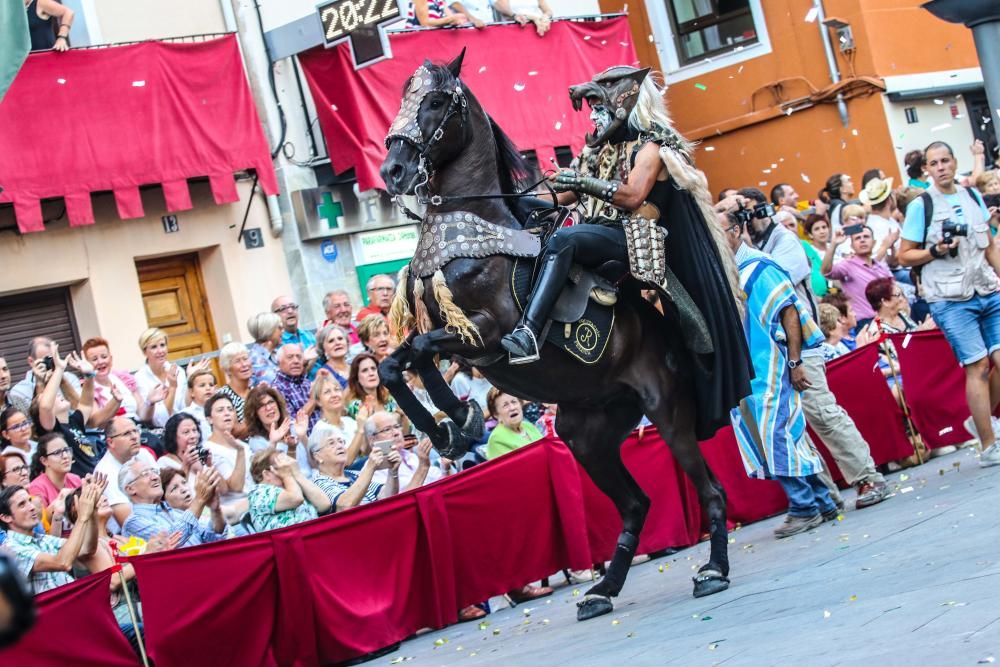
<point x="415" y="470"/>
<point x="122" y="437"/>
<point x="878" y="195"/>
<point x="20" y="394"/>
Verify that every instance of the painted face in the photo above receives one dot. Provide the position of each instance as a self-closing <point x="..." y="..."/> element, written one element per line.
<point x="58" y="456"/>
<point x="100" y="357"/>
<point x="368" y="374"/>
<point x="509" y="411"/>
<point x="202" y="389"/>
<point x="332" y="396"/>
<point x="339" y="311"/>
<point x="223" y="416"/>
<point x="156" y="352"/>
<point x="335" y="346"/>
<point x="611" y="96"/>
<point x="178" y="493"/>
<point x="240" y="367"/>
<point x="18" y="429"/>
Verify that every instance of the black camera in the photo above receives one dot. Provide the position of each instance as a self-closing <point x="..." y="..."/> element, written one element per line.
<point x="949" y="230"/>
<point x="760" y="212"/>
<point x="202" y="453"/>
<point x="50" y="363"/>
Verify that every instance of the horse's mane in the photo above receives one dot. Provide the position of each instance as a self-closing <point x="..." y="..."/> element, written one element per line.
<point x="513" y="170"/>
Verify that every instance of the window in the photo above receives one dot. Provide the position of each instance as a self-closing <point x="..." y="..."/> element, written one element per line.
<point x="911" y="115"/>
<point x="706" y="28"/>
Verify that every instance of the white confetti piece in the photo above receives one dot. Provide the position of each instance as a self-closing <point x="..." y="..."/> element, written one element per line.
<point x="946" y="429"/>
<point x="138" y="84"/>
<point x="518" y="87"/>
<point x="906" y="341"/>
<point x="482" y="69"/>
<point x="942" y="126"/>
<point x="789" y="111"/>
<point x="811" y="16"/>
<point x="826" y="613"/>
<point x="532" y="73"/>
<point x="774" y="165"/>
<point x="586" y="37"/>
<point x="333" y="107"/>
<point x="709" y="148"/>
<point x="61" y="81"/>
<point x="761" y="184"/>
<point x="804" y="178"/>
<point x="854" y="132"/>
<point x="603" y="42"/>
<point x="767" y="171"/>
<point x="558" y="124"/>
<point x="740" y="70"/>
<point x="652" y="39"/>
<point x="623" y="43"/>
<point x="906" y="489"/>
<point x="939" y="102"/>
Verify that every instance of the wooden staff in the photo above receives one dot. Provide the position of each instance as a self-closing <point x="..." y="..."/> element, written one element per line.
<point x="131" y="606"/>
<point x="913" y="435"/>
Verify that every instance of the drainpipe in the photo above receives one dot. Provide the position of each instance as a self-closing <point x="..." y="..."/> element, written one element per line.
<point x="831" y="61"/>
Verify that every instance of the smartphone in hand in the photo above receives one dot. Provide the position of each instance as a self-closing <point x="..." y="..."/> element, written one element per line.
<point x="385" y="446"/>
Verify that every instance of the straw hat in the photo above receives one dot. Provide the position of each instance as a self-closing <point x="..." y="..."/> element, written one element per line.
<point x="876" y="191"/>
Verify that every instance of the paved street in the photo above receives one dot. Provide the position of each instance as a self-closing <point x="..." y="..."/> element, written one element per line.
<point x="914" y="580"/>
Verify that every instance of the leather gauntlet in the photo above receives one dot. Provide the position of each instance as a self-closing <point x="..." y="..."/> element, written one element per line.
<point x="568" y="180"/>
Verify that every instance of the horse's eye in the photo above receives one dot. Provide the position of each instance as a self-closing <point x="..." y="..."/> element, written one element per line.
<point x="436" y="104"/>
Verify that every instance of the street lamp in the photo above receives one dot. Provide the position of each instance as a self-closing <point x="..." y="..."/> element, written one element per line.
<point x="983" y="18"/>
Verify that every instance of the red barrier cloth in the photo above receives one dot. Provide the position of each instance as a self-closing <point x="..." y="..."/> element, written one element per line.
<point x="520" y="79"/>
<point x="128" y="116"/>
<point x="747" y="499"/>
<point x="861" y="389"/>
<point x="75" y="626"/>
<point x="934" y="384"/>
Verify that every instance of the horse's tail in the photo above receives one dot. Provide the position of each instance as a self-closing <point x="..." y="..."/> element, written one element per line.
<point x="694" y="181"/>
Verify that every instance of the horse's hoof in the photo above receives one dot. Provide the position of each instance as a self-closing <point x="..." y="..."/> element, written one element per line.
<point x="593" y="606"/>
<point x="709" y="582"/>
<point x="451" y="444"/>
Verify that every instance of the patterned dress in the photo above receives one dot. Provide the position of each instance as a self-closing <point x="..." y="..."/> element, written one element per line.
<point x="263" y="499"/>
<point x="770" y="425"/>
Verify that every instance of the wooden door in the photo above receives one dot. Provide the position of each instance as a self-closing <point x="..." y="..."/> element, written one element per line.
<point x="173" y="295"/>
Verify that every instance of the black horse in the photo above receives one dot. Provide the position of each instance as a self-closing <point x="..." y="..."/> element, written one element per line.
<point x="467" y="306"/>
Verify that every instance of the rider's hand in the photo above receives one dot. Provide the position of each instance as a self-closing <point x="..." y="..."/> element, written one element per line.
<point x="566" y="180"/>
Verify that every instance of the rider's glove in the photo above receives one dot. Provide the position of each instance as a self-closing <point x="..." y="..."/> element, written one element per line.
<point x="568" y="180"/>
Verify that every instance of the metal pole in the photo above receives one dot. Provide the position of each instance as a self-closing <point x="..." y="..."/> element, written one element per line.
<point x="987" y="38"/>
<point x="831" y="61"/>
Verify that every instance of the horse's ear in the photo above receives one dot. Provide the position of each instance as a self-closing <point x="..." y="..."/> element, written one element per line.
<point x="455" y="66"/>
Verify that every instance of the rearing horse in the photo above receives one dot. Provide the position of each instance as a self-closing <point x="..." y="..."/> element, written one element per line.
<point x="444" y="145"/>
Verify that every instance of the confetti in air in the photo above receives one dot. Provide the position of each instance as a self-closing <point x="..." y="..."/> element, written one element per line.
<point x="518" y="87"/>
<point x="558" y="124"/>
<point x="138" y="84"/>
<point x="532" y="73"/>
<point x="482" y="69"/>
<point x="939" y="102"/>
<point x="586" y="37"/>
<point x="854" y="132"/>
<point x="946" y="429"/>
<point x="61" y="81"/>
<point x="709" y="148"/>
<point x="804" y="178"/>
<point x="942" y="126"/>
<point x="701" y="86"/>
<point x="333" y="107"/>
<point x="811" y="16"/>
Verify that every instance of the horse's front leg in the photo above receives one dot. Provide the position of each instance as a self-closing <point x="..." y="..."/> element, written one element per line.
<point x="391" y="374"/>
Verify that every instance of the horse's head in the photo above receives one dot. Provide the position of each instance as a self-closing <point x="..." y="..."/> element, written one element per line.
<point x="430" y="129"/>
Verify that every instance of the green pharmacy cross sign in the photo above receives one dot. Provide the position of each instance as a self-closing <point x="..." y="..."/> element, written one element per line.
<point x="329" y="211"/>
<point x="362" y="23"/>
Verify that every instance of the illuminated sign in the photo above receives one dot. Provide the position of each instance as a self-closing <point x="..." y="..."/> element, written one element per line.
<point x="362" y="23"/>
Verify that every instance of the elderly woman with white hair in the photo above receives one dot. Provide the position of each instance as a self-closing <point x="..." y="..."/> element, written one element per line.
<point x="266" y="331"/>
<point x="234" y="360"/>
<point x="349" y="488"/>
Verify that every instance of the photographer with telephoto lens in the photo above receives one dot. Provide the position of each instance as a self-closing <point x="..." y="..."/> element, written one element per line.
<point x="947" y="235"/>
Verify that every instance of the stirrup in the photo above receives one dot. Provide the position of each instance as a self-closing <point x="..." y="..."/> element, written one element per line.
<point x="531" y="356"/>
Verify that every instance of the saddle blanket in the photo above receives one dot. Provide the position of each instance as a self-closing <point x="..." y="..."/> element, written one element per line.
<point x="587" y="338"/>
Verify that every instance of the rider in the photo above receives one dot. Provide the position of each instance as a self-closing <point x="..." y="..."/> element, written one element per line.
<point x="634" y="158"/>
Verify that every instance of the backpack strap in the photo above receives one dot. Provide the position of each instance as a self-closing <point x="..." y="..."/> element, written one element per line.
<point x="928" y="201"/>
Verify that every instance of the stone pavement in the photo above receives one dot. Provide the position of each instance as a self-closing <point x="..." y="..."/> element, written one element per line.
<point x="914" y="580"/>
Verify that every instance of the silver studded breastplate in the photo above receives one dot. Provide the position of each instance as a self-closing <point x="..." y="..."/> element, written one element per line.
<point x="448" y="236"/>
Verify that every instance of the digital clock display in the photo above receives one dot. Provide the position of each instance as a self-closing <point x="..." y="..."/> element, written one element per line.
<point x="341" y="18"/>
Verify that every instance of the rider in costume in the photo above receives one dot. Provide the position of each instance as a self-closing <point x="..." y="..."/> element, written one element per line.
<point x="632" y="159"/>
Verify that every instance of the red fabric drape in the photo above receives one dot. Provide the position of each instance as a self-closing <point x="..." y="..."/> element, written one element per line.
<point x="357" y="581"/>
<point x="934" y="384"/>
<point x="75" y="626"/>
<point x="521" y="80"/>
<point x="116" y="118"/>
<point x="861" y="389"/>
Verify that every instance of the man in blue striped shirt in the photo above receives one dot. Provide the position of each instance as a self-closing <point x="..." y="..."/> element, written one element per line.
<point x="152" y="516"/>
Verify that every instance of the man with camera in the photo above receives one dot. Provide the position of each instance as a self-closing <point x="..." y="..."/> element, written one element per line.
<point x="41" y="364"/>
<point x="384" y="431"/>
<point x="947" y="235"/>
<point x="826" y="417"/>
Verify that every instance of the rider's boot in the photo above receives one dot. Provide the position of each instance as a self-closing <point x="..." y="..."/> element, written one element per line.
<point x="522" y="343"/>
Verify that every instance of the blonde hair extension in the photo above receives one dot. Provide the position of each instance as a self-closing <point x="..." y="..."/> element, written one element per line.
<point x="455" y="321"/>
<point x="400" y="316"/>
<point x="424" y="323"/>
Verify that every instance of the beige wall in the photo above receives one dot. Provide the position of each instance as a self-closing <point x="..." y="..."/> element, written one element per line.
<point x="98" y="262"/>
<point x="135" y="20"/>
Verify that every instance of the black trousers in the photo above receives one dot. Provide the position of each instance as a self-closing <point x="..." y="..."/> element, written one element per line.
<point x="589" y="245"/>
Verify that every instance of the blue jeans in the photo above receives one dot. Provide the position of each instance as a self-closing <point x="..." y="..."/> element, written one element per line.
<point x="972" y="327"/>
<point x="807" y="496"/>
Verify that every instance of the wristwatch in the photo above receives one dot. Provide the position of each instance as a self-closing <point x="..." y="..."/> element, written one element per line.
<point x="794" y="363"/>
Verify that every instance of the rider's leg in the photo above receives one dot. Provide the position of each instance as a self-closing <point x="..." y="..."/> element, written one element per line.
<point x="588" y="244"/>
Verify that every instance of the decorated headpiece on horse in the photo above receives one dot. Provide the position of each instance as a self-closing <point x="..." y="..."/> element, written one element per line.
<point x="450" y="97"/>
<point x="611" y="95"/>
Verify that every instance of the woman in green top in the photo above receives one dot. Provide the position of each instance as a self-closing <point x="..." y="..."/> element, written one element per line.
<point x="818" y="230"/>
<point x="512" y="432"/>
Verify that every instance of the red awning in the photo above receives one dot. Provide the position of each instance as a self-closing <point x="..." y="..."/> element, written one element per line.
<point x="521" y="80"/>
<point x="116" y="118"/>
